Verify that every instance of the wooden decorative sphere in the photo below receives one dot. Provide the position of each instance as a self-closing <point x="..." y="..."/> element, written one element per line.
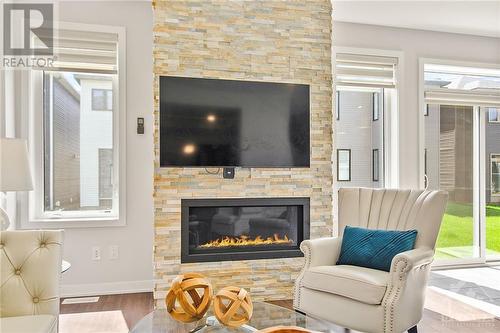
<point x="233" y="306"/>
<point x="184" y="302"/>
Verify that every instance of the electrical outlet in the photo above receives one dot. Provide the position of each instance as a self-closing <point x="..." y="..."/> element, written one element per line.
<point x="114" y="252"/>
<point x="96" y="253"/>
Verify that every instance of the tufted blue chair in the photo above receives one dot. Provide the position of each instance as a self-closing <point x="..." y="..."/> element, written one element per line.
<point x="30" y="269"/>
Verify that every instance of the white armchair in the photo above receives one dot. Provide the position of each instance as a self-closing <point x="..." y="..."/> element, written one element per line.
<point x="366" y="299"/>
<point x="30" y="269"/>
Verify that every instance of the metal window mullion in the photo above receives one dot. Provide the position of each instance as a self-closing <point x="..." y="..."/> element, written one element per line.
<point x="482" y="181"/>
<point x="478" y="171"/>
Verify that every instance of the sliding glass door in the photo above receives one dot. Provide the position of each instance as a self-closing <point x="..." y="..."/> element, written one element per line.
<point x="461" y="155"/>
<point x="450" y="166"/>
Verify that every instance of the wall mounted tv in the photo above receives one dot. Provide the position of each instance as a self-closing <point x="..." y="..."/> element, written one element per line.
<point x="228" y="123"/>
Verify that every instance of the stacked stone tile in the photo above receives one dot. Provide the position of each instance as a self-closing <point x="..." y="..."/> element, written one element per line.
<point x="276" y="41"/>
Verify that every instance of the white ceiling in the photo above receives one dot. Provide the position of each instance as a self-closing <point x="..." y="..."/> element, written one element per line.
<point x="474" y="17"/>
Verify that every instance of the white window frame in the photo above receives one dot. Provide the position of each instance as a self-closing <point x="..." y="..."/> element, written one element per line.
<point x="391" y="114"/>
<point x="32" y="212"/>
<point x="376" y="106"/>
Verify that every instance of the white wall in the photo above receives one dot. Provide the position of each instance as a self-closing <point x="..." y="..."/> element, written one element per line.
<point x="414" y="44"/>
<point x="133" y="270"/>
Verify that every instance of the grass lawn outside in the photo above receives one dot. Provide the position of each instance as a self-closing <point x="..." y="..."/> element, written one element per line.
<point x="457" y="228"/>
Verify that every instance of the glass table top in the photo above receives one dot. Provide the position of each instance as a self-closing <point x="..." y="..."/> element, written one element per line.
<point x="264" y="315"/>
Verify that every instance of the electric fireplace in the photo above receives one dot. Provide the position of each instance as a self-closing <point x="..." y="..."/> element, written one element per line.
<point x="240" y="229"/>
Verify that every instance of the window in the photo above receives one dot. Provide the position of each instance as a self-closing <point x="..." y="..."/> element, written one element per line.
<point x="74" y="137"/>
<point x="366" y="89"/>
<point x="102" y="100"/>
<point x="493" y="115"/>
<point x="375" y="167"/>
<point x="375" y="107"/>
<point x="495" y="175"/>
<point x="343" y="164"/>
<point x="78" y="122"/>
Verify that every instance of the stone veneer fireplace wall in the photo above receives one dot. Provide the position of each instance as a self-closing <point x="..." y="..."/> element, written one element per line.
<point x="276" y="41"/>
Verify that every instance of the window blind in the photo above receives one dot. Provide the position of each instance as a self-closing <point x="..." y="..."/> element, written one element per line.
<point x="84" y="51"/>
<point x="462" y="97"/>
<point x="365" y="70"/>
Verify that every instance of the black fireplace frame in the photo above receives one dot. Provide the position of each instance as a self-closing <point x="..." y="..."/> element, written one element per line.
<point x="187" y="257"/>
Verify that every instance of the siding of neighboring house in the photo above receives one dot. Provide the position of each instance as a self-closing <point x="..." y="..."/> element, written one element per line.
<point x="357" y="131"/>
<point x="96" y="132"/>
<point x="66" y="148"/>
<point x="463" y="120"/>
<point x="452" y="125"/>
<point x="492" y="147"/>
<point x="454" y="148"/>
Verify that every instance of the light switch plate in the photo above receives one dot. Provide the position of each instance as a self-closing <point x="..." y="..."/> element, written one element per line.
<point x="114" y="252"/>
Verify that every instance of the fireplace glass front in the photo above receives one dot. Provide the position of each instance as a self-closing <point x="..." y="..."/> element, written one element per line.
<point x="237" y="229"/>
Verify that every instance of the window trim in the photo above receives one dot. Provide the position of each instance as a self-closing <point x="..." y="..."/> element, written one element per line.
<point x="375" y="106"/>
<point x="32" y="203"/>
<point x="338" y="165"/>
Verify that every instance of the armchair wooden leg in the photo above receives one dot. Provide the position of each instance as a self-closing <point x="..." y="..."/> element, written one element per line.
<point x="413" y="329"/>
<point x="302" y="313"/>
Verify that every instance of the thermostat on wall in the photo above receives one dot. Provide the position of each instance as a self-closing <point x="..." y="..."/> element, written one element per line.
<point x="140" y="125"/>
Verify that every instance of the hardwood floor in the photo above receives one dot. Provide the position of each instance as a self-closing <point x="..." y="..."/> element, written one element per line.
<point x="134" y="306"/>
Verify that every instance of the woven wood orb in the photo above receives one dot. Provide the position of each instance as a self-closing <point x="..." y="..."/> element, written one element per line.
<point x="184" y="302"/>
<point x="233" y="306"/>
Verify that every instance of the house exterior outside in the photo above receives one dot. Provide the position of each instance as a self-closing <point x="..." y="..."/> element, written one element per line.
<point x="449" y="155"/>
<point x="359" y="138"/>
<point x="79" y="143"/>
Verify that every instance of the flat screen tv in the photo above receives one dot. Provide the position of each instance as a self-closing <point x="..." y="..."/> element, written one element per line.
<point x="228" y="123"/>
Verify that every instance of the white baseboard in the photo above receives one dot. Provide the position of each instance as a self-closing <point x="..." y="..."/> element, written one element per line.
<point x="106" y="288"/>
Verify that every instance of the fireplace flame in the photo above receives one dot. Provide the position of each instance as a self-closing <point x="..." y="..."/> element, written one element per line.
<point x="247" y="241"/>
